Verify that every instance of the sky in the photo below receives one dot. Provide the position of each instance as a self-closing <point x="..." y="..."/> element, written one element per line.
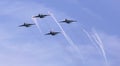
<point x="94" y="37"/>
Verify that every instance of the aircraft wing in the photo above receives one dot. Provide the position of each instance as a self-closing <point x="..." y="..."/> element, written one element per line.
<point x="47" y="34"/>
<point x="62" y="21"/>
<point x="21" y="25"/>
<point x="57" y="32"/>
<point x="35" y="16"/>
<point x="31" y="24"/>
<point x="74" y="21"/>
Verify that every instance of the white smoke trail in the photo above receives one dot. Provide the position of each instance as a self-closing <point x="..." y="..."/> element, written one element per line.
<point x="67" y="37"/>
<point x="36" y="23"/>
<point x="89" y="36"/>
<point x="63" y="32"/>
<point x="96" y="39"/>
<point x="100" y="44"/>
<point x="95" y="35"/>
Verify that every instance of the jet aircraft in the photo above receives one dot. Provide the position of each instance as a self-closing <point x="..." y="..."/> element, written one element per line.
<point x="52" y="33"/>
<point x="67" y="21"/>
<point x="26" y="25"/>
<point x="40" y="16"/>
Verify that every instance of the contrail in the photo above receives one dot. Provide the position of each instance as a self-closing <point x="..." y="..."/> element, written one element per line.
<point x="89" y="36"/>
<point x="36" y="23"/>
<point x="100" y="44"/>
<point x="95" y="35"/>
<point x="63" y="32"/>
<point x="66" y="36"/>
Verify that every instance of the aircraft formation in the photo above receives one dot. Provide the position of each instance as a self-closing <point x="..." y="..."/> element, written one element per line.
<point x="52" y="33"/>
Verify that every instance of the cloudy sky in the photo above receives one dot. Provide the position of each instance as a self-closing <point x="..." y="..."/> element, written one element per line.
<point x="96" y="45"/>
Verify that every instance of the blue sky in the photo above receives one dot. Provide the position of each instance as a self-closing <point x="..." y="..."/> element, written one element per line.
<point x="29" y="47"/>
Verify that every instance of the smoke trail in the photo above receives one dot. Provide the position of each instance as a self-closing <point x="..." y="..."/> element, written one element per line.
<point x="96" y="39"/>
<point x="63" y="32"/>
<point x="36" y="23"/>
<point x="89" y="36"/>
<point x="95" y="35"/>
<point x="67" y="37"/>
<point x="100" y="44"/>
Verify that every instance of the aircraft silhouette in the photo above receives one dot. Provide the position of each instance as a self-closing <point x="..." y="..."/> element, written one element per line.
<point x="52" y="33"/>
<point x="68" y="21"/>
<point x="26" y="25"/>
<point x="40" y="16"/>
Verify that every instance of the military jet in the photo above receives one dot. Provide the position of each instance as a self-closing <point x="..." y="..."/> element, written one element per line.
<point x="40" y="16"/>
<point x="52" y="33"/>
<point x="26" y="25"/>
<point x="67" y="21"/>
